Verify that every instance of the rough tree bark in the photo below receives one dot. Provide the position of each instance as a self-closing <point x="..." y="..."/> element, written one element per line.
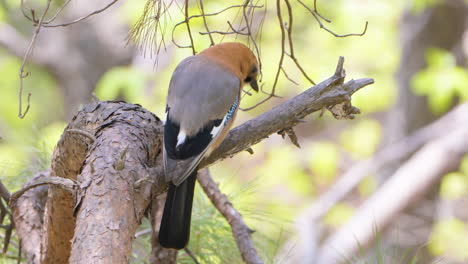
<point x="112" y="151"/>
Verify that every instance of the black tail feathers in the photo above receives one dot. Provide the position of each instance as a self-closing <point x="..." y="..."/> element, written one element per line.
<point x="174" y="231"/>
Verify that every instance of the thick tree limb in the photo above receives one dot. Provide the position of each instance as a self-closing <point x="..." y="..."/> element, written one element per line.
<point x="117" y="163"/>
<point x="240" y="230"/>
<point x="409" y="183"/>
<point x="67" y="160"/>
<point x="116" y="182"/>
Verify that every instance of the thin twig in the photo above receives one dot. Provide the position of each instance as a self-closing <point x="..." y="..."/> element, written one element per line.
<point x="287" y="76"/>
<point x="206" y="23"/>
<point x="83" y="17"/>
<point x="22" y="75"/>
<point x="318" y="13"/>
<point x="249" y="31"/>
<point x="191" y="255"/>
<point x="67" y="184"/>
<point x="291" y="43"/>
<point x="317" y="18"/>
<point x="81" y="132"/>
<point x="4" y="193"/>
<point x="189" y="31"/>
<point x="56" y="13"/>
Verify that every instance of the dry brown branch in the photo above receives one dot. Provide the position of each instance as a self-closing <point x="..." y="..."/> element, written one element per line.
<point x="329" y="92"/>
<point x="4" y="193"/>
<point x="409" y="183"/>
<point x="28" y="215"/>
<point x="240" y="230"/>
<point x="65" y="184"/>
<point x="4" y="212"/>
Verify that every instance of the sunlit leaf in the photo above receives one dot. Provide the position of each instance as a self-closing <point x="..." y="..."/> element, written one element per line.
<point x="361" y="140"/>
<point x="450" y="237"/>
<point x="339" y="214"/>
<point x="441" y="81"/>
<point x="367" y="186"/>
<point x="323" y="163"/>
<point x="121" y="83"/>
<point x="454" y="185"/>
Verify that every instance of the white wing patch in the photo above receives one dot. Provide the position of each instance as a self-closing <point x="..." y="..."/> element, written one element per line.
<point x="216" y="129"/>
<point x="181" y="137"/>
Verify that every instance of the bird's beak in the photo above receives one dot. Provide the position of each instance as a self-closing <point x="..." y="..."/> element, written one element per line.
<point x="253" y="83"/>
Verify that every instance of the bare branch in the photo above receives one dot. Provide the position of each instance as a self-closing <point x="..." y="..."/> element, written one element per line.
<point x="291" y="43"/>
<point x="317" y="17"/>
<point x="240" y="230"/>
<point x="329" y="92"/>
<point x="187" y="22"/>
<point x="4" y="193"/>
<point x="60" y="182"/>
<point x="206" y="23"/>
<point x="28" y="213"/>
<point x="95" y="12"/>
<point x="22" y="75"/>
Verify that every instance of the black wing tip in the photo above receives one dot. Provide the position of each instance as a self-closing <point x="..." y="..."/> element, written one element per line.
<point x="193" y="145"/>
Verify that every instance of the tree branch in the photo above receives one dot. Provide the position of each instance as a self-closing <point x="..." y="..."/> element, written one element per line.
<point x="113" y="150"/>
<point x="28" y="215"/>
<point x="240" y="230"/>
<point x="327" y="93"/>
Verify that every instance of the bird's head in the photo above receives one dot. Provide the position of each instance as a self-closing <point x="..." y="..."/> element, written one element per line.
<point x="238" y="59"/>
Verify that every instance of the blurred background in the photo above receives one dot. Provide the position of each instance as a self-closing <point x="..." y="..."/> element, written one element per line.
<point x="416" y="51"/>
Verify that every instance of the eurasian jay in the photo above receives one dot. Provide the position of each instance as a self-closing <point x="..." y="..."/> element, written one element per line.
<point x="202" y="103"/>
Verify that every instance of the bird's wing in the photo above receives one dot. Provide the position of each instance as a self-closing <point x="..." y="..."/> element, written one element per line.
<point x="202" y="98"/>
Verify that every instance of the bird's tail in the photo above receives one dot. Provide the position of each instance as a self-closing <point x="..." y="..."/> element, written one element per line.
<point x="174" y="231"/>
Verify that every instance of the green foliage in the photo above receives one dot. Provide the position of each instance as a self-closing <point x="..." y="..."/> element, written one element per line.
<point x="339" y="214"/>
<point x="419" y="5"/>
<point x="362" y="138"/>
<point x="454" y="185"/>
<point x="367" y="186"/>
<point x="324" y="161"/>
<point x="441" y="81"/>
<point x="450" y="237"/>
<point x="283" y="162"/>
<point x="121" y="82"/>
<point x="464" y="165"/>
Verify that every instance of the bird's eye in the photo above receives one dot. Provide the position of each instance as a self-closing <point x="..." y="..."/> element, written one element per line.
<point x="248" y="79"/>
